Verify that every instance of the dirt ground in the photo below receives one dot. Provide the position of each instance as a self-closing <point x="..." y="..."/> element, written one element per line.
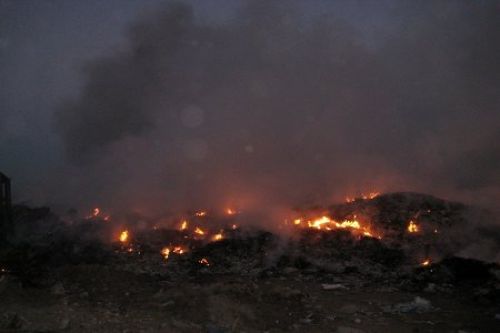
<point x="100" y="298"/>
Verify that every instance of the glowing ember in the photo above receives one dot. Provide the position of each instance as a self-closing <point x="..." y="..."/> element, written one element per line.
<point x="204" y="261"/>
<point x="426" y="262"/>
<point x="124" y="236"/>
<point x="95" y="212"/>
<point x="201" y="213"/>
<point x="199" y="231"/>
<point x="412" y="227"/>
<point x="230" y="211"/>
<point x="234" y="227"/>
<point x="217" y="237"/>
<point x="178" y="250"/>
<point x="184" y="225"/>
<point x="165" y="252"/>
<point x="369" y="196"/>
<point x="297" y="221"/>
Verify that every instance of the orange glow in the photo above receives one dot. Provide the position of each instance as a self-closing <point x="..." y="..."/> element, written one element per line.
<point x="412" y="227"/>
<point x="230" y="211"/>
<point x="96" y="211"/>
<point x="178" y="250"/>
<point x="217" y="237"/>
<point x="201" y="213"/>
<point x="426" y="262"/>
<point x="234" y="227"/>
<point x="124" y="236"/>
<point x="184" y="225"/>
<point x="199" y="231"/>
<point x="369" y="196"/>
<point x="204" y="261"/>
<point x="326" y="223"/>
<point x="165" y="252"/>
<point x="319" y="222"/>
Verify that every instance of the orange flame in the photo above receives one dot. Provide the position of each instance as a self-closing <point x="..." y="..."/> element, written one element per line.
<point x="124" y="236"/>
<point x="201" y="213"/>
<point x="326" y="223"/>
<point x="217" y="237"/>
<point x="426" y="262"/>
<point x="184" y="225"/>
<point x="199" y="231"/>
<point x="230" y="211"/>
<point x="165" y="252"/>
<point x="412" y="227"/>
<point x="178" y="250"/>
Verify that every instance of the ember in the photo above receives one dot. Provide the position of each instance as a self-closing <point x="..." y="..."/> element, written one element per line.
<point x="165" y="252"/>
<point x="124" y="236"/>
<point x="204" y="261"/>
<point x="199" y="231"/>
<point x="184" y="225"/>
<point x="412" y="227"/>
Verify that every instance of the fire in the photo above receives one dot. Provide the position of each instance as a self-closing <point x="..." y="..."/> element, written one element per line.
<point x="199" y="231"/>
<point x="165" y="252"/>
<point x="326" y="223"/>
<point x="124" y="236"/>
<point x="426" y="262"/>
<point x="204" y="261"/>
<point x="413" y="227"/>
<point x="95" y="212"/>
<point x="178" y="250"/>
<point x="230" y="211"/>
<point x="369" y="196"/>
<point x="184" y="225"/>
<point x="201" y="213"/>
<point x="319" y="222"/>
<point x="217" y="237"/>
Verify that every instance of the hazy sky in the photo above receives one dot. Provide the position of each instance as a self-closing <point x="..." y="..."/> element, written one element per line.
<point x="141" y="104"/>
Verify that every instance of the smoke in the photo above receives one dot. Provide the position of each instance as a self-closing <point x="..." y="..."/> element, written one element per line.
<point x="280" y="105"/>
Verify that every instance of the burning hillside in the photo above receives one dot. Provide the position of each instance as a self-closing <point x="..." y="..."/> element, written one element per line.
<point x="398" y="246"/>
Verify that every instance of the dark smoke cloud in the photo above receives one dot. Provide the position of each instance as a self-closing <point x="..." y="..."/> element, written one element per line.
<point x="283" y="106"/>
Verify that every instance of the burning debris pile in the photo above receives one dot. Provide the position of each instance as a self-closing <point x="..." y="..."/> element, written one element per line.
<point x="402" y="242"/>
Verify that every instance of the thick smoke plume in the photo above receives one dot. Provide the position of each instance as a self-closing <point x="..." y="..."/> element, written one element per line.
<point x="280" y="104"/>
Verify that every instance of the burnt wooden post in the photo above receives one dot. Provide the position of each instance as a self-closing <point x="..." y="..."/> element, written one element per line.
<point x="5" y="207"/>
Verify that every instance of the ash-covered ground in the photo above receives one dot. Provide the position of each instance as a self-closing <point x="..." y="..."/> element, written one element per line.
<point x="425" y="265"/>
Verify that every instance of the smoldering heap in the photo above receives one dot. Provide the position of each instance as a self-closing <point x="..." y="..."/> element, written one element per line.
<point x="414" y="251"/>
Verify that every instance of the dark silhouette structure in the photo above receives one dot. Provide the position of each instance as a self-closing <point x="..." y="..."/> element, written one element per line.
<point x="5" y="207"/>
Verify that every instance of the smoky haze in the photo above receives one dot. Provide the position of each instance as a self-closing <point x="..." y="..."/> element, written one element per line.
<point x="277" y="106"/>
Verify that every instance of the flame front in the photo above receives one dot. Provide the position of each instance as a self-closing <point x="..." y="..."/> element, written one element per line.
<point x="326" y="223"/>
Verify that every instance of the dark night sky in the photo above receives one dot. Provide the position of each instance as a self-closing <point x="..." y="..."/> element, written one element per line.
<point x="148" y="104"/>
